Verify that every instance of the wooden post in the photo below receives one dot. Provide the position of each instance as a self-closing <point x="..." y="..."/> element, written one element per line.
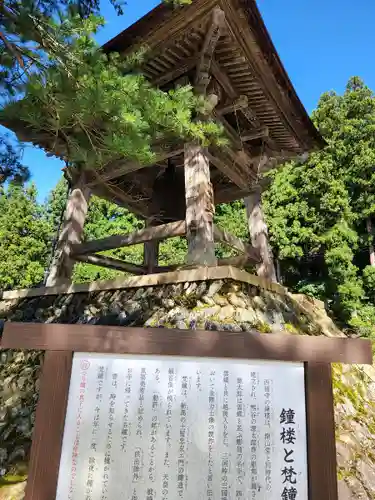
<point x="320" y="432"/>
<point x="75" y="214"/>
<point x="259" y="235"/>
<point x="199" y="207"/>
<point x="49" y="426"/>
<point x="151" y="252"/>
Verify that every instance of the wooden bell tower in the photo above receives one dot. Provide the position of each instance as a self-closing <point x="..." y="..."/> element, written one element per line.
<point x="223" y="49"/>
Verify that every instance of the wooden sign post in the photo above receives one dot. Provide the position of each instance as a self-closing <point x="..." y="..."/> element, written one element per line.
<point x="143" y="413"/>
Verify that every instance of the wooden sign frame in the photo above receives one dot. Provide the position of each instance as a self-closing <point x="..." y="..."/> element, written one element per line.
<point x="61" y="341"/>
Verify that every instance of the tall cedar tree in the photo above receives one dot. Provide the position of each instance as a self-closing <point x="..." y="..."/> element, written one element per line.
<point x="320" y="212"/>
<point x="24" y="238"/>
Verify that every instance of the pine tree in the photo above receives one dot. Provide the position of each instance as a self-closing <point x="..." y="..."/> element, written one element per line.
<point x="11" y="167"/>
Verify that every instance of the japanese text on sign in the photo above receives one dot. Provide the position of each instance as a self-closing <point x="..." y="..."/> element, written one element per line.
<point x="158" y="428"/>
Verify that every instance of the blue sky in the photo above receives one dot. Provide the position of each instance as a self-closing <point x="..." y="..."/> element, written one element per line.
<point x="321" y="43"/>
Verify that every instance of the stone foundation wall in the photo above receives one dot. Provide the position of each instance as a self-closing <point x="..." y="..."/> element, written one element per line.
<point x="221" y="304"/>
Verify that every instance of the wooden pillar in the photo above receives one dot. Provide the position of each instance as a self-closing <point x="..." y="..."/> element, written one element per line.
<point x="151" y="252"/>
<point x="199" y="207"/>
<point x="259" y="235"/>
<point x="75" y="214"/>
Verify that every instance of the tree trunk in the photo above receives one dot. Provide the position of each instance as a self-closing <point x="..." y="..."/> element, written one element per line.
<point x="370" y="244"/>
<point x="259" y="235"/>
<point x="199" y="207"/>
<point x="72" y="230"/>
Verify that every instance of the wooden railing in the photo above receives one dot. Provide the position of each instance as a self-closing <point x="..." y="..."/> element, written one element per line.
<point x="87" y="251"/>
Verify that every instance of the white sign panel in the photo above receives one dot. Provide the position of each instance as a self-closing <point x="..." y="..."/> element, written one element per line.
<point x="168" y="428"/>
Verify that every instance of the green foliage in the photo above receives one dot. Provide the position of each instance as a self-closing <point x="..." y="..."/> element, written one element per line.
<point x="231" y="217"/>
<point x="24" y="238"/>
<point x="30" y="34"/>
<point x="172" y="251"/>
<point x="317" y="210"/>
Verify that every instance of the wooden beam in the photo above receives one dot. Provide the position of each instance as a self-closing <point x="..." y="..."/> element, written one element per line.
<point x="224" y="80"/>
<point x="239" y="103"/>
<point x="241" y="156"/>
<point x="229" y="239"/>
<point x="71" y="234"/>
<point x="228" y="168"/>
<point x="161" y="232"/>
<point x="123" y="167"/>
<point x="213" y="34"/>
<point x="122" y="198"/>
<point x="256" y="134"/>
<point x="182" y="68"/>
<point x="174" y="342"/>
<point x="229" y="130"/>
<point x="225" y="193"/>
<point x="244" y="160"/>
<point x="227" y="85"/>
<point x="239" y="261"/>
<point x="199" y="206"/>
<point x="250" y="116"/>
<point x="110" y="263"/>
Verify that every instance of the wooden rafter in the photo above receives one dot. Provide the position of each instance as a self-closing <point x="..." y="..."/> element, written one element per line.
<point x="235" y="105"/>
<point x="225" y="193"/>
<point x="227" y="85"/>
<point x="234" y="137"/>
<point x="227" y="167"/>
<point x="176" y="72"/>
<point x="260" y="133"/>
<point x="116" y="195"/>
<point x="240" y="155"/>
<point x="121" y="167"/>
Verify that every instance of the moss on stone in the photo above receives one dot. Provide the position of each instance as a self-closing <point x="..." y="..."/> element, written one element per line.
<point x="12" y="479"/>
<point x="355" y="422"/>
<point x="188" y="301"/>
<point x="262" y="327"/>
<point x="292" y="329"/>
